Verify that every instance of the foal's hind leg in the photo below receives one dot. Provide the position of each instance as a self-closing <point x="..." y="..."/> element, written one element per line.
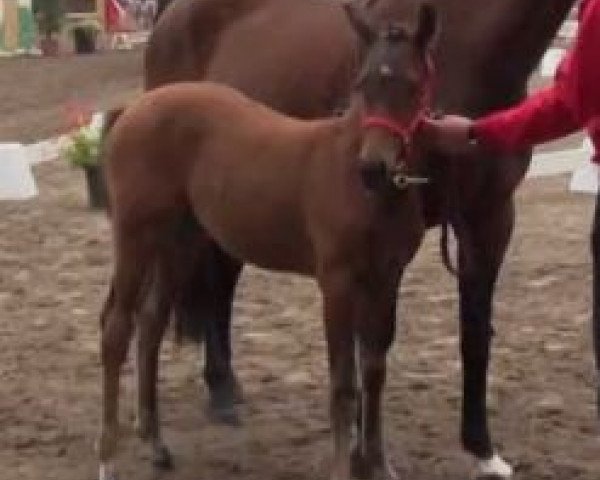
<point x="171" y="271"/>
<point x="152" y="322"/>
<point x="479" y="263"/>
<point x="117" y="329"/>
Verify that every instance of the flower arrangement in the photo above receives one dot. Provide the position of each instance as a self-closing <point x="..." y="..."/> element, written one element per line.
<point x="82" y="148"/>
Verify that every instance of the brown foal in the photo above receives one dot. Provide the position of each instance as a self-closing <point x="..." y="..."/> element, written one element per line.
<point x="337" y="199"/>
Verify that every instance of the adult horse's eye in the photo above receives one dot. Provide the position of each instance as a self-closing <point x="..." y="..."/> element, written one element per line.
<point x="386" y="72"/>
<point x="410" y="87"/>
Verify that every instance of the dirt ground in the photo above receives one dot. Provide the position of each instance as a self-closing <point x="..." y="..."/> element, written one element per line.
<point x="55" y="261"/>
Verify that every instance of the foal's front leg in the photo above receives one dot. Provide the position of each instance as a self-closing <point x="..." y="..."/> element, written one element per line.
<point x="375" y="335"/>
<point x="339" y="302"/>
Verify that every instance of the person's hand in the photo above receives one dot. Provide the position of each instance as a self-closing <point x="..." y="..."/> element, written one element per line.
<point x="449" y="134"/>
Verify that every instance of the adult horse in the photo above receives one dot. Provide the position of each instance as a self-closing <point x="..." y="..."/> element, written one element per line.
<point x="335" y="198"/>
<point x="296" y="55"/>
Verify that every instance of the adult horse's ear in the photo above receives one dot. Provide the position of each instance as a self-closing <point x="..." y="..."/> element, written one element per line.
<point x="427" y="28"/>
<point x="359" y="21"/>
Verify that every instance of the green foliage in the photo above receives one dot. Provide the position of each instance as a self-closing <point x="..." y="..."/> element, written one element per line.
<point x="49" y="15"/>
<point x="83" y="148"/>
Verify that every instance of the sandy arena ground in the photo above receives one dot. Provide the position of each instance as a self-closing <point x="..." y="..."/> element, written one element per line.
<point x="55" y="261"/>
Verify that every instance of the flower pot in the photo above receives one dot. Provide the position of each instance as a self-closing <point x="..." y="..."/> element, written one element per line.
<point x="84" y="40"/>
<point x="97" y="196"/>
<point x="49" y="47"/>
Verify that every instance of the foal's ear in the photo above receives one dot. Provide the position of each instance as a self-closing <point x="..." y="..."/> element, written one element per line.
<point x="427" y="29"/>
<point x="359" y="21"/>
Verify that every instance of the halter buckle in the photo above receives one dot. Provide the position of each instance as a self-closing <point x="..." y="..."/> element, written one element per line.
<point x="402" y="181"/>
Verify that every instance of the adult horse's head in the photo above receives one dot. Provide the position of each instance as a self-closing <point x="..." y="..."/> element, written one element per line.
<point x="395" y="85"/>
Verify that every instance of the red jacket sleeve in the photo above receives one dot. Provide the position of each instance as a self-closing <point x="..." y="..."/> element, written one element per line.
<point x="560" y="109"/>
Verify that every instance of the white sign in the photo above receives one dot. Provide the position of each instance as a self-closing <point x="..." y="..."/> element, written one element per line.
<point x="16" y="178"/>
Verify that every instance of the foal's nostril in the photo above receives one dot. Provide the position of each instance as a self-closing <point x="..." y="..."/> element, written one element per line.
<point x="373" y="173"/>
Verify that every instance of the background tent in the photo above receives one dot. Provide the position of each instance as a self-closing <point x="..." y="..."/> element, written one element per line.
<point x="17" y="29"/>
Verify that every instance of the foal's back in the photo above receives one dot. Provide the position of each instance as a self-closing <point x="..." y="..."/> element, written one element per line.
<point x="174" y="128"/>
<point x="239" y="166"/>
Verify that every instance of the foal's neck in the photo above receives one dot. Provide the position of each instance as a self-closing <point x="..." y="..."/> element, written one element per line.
<point x="351" y="119"/>
<point x="345" y="131"/>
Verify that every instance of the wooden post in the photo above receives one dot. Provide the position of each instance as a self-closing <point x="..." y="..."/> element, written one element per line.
<point x="11" y="25"/>
<point x="101" y="12"/>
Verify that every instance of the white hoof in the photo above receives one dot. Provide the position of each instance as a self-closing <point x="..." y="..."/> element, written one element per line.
<point x="495" y="467"/>
<point x="107" y="472"/>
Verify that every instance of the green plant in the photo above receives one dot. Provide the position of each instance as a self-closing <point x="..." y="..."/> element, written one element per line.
<point x="83" y="148"/>
<point x="49" y="15"/>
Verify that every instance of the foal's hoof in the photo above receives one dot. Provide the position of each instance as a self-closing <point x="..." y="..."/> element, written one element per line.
<point x="224" y="415"/>
<point x="162" y="459"/>
<point x="359" y="467"/>
<point x="385" y="471"/>
<point x="107" y="472"/>
<point x="494" y="468"/>
<point x="363" y="470"/>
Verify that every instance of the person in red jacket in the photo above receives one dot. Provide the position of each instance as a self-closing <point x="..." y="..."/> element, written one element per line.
<point x="571" y="103"/>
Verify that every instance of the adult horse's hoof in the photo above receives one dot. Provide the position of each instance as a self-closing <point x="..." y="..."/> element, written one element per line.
<point x="385" y="472"/>
<point x="162" y="459"/>
<point x="494" y="468"/>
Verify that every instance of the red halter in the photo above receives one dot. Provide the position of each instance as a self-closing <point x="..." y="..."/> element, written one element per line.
<point x="406" y="130"/>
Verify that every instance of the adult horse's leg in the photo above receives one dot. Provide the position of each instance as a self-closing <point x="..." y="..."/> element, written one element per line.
<point x="596" y="293"/>
<point x="481" y="254"/>
<point x="225" y="390"/>
<point x="339" y="303"/>
<point x="375" y="336"/>
<point x="117" y="328"/>
<point x="208" y="298"/>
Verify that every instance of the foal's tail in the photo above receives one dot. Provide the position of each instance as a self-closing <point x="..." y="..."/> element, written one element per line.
<point x="445" y="249"/>
<point x="110" y="118"/>
<point x="464" y="247"/>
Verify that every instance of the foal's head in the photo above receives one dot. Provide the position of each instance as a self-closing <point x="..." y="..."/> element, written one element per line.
<point x="395" y="84"/>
